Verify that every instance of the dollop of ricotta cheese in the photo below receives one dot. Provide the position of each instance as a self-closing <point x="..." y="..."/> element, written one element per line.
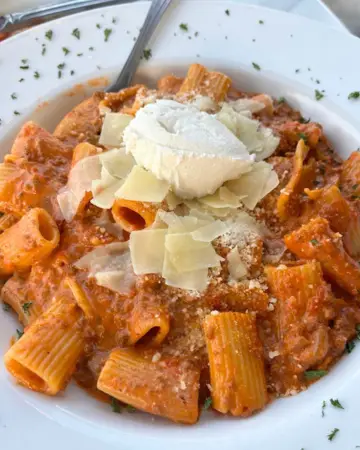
<point x="190" y="149"/>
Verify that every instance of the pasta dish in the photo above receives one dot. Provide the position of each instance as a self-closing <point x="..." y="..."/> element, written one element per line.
<point x="181" y="248"/>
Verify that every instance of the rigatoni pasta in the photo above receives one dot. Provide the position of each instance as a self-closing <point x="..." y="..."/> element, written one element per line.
<point x="175" y="247"/>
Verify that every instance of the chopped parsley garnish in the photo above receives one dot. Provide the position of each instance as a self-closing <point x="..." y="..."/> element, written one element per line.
<point x="24" y="61"/>
<point x="323" y="408"/>
<point x="59" y="74"/>
<point x="281" y="100"/>
<point x="350" y="346"/>
<point x="26" y="306"/>
<point x="16" y="113"/>
<point x="227" y="12"/>
<point x="114" y="20"/>
<point x="358" y="331"/>
<point x="107" y="33"/>
<point x="303" y="136"/>
<point x="354" y="95"/>
<point x="24" y="67"/>
<point x="13" y="96"/>
<point x="314" y="374"/>
<point x="147" y="54"/>
<point x="318" y="95"/>
<point x="36" y="75"/>
<point x="335" y="402"/>
<point x="80" y="54"/>
<point x="317" y="81"/>
<point x="184" y="27"/>
<point x="61" y="66"/>
<point x="115" y="405"/>
<point x="303" y="120"/>
<point x="261" y="22"/>
<point x="196" y="34"/>
<point x="43" y="51"/>
<point x="76" y="33"/>
<point x="333" y="434"/>
<point x="256" y="66"/>
<point x="130" y="409"/>
<point x="65" y="50"/>
<point x="72" y="72"/>
<point x="297" y="70"/>
<point x="21" y="80"/>
<point x="5" y="307"/>
<point x="49" y="35"/>
<point x="314" y="242"/>
<point x="207" y="403"/>
<point x="19" y="333"/>
<point x="91" y="49"/>
<point x="98" y="26"/>
<point x="354" y="186"/>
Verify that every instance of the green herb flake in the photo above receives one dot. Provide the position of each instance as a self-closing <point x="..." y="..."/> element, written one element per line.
<point x="59" y="74"/>
<point x="49" y="35"/>
<point x="19" y="333"/>
<point x="36" y="75"/>
<point x="281" y="100"/>
<point x="318" y="95"/>
<point x="115" y="405"/>
<point x="196" y="34"/>
<point x="303" y="136"/>
<point x="256" y="66"/>
<point x="297" y="70"/>
<point x="147" y="54"/>
<point x="80" y="55"/>
<point x="43" y="51"/>
<point x="91" y="49"/>
<point x="323" y="408"/>
<point x="98" y="26"/>
<point x="65" y="50"/>
<point x="16" y="113"/>
<point x="61" y="66"/>
<point x="21" y="80"/>
<point x="107" y="33"/>
<point x="314" y="242"/>
<point x="24" y="67"/>
<point x="357" y="328"/>
<point x="261" y="22"/>
<point x="354" y="95"/>
<point x="13" y="96"/>
<point x="24" y="61"/>
<point x="333" y="434"/>
<point x="315" y="374"/>
<point x="354" y="186"/>
<point x="335" y="402"/>
<point x="72" y="72"/>
<point x="349" y="346"/>
<point x="303" y="120"/>
<point x="76" y="33"/>
<point x="227" y="12"/>
<point x="207" y="403"/>
<point x="184" y="27"/>
<point x="26" y="306"/>
<point x="6" y="307"/>
<point x="130" y="409"/>
<point x="114" y="20"/>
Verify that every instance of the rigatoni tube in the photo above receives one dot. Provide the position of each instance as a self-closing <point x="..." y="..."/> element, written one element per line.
<point x="27" y="242"/>
<point x="236" y="363"/>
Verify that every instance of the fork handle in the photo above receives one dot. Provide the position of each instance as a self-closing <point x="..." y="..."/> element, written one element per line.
<point x="156" y="11"/>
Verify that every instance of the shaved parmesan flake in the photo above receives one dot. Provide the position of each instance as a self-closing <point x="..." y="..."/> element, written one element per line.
<point x="183" y="243"/>
<point x="223" y="198"/>
<point x="113" y="280"/>
<point x="271" y="183"/>
<point x="247" y="104"/>
<point x="209" y="232"/>
<point x="202" y="208"/>
<point x="117" y="162"/>
<point x="172" y="200"/>
<point x="258" y="139"/>
<point x="143" y="186"/>
<point x="147" y="249"/>
<point x="204" y="103"/>
<point x="79" y="182"/>
<point x="104" y="196"/>
<point x="195" y="259"/>
<point x="110" y="227"/>
<point x="109" y="258"/>
<point x="193" y="281"/>
<point x="254" y="185"/>
<point x="237" y="268"/>
<point x="113" y="128"/>
<point x="201" y="215"/>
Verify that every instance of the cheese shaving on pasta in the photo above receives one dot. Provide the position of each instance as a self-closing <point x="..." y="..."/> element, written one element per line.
<point x="113" y="127"/>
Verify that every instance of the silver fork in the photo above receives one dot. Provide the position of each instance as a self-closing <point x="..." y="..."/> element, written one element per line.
<point x="156" y="11"/>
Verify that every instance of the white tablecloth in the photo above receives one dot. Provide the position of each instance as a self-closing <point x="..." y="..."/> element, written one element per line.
<point x="314" y="9"/>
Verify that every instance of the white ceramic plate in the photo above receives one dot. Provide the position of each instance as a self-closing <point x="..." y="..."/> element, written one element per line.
<point x="280" y="44"/>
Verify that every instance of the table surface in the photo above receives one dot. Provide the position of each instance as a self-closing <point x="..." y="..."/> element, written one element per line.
<point x="314" y="9"/>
